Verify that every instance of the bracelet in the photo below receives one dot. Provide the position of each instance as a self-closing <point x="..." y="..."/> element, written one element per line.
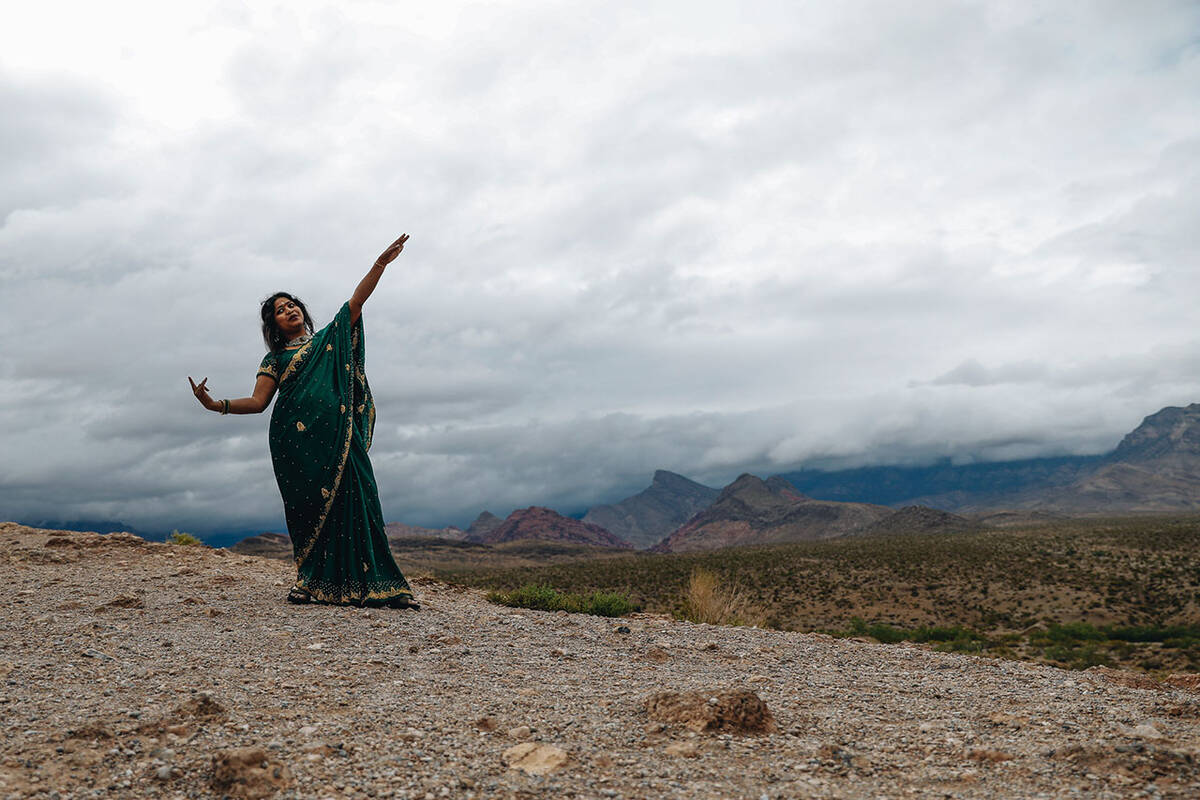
<point x="226" y="409"/>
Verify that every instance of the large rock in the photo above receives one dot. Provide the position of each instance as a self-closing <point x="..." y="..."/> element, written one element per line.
<point x="248" y="773"/>
<point x="652" y="514"/>
<point x="535" y="758"/>
<point x="713" y="711"/>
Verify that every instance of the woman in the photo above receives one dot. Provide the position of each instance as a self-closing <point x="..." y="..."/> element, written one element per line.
<point x="320" y="433"/>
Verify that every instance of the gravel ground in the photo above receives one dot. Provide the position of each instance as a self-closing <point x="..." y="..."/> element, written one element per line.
<point x="133" y="669"/>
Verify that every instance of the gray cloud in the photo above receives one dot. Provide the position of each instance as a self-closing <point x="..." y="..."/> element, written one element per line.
<point x="684" y="238"/>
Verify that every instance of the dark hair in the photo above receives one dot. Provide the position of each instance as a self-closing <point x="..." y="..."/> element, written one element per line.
<point x="272" y="336"/>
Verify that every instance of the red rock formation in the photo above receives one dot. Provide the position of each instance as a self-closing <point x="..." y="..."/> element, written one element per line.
<point x="544" y="524"/>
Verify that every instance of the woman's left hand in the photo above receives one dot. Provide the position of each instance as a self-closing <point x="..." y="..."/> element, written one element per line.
<point x="393" y="250"/>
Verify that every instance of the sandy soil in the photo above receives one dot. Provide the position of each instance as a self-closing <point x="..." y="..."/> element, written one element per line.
<point x="150" y="670"/>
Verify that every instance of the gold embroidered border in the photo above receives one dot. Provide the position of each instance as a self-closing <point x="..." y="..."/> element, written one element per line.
<point x="327" y="592"/>
<point x="337" y="482"/>
<point x="296" y="359"/>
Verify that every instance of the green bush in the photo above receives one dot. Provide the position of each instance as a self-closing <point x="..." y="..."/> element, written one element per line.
<point x="187" y="539"/>
<point x="545" y="598"/>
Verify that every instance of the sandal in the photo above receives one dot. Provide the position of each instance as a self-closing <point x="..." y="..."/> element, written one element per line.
<point x="299" y="596"/>
<point x="403" y="602"/>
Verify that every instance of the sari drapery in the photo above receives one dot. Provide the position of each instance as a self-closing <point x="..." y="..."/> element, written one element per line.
<point x="320" y="433"/>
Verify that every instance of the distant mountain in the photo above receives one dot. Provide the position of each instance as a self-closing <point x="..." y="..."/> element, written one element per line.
<point x="484" y="524"/>
<point x="650" y="515"/>
<point x="943" y="484"/>
<point x="920" y="519"/>
<point x="546" y="525"/>
<point x="1155" y="468"/>
<point x="751" y="511"/>
<point x="267" y="545"/>
<point x="398" y="530"/>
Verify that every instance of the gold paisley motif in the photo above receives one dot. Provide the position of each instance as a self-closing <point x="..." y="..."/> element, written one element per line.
<point x="324" y="493"/>
<point x="300" y="426"/>
<point x="328" y="348"/>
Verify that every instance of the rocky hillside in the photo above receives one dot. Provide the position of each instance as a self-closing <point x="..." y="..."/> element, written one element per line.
<point x="1155" y="468"/>
<point x="547" y="525"/>
<point x="751" y="511"/>
<point x="266" y="545"/>
<point x="920" y="519"/>
<point x="652" y="514"/>
<point x="159" y="671"/>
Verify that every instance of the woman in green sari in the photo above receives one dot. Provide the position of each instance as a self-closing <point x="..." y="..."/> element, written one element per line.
<point x="320" y="433"/>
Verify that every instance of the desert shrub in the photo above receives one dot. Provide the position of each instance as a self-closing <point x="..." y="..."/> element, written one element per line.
<point x="186" y="539"/>
<point x="709" y="599"/>
<point x="609" y="604"/>
<point x="1074" y="632"/>
<point x="1170" y="635"/>
<point x="545" y="598"/>
<point x="954" y="638"/>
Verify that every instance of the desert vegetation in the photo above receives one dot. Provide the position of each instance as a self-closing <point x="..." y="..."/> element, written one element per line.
<point x="544" y="598"/>
<point x="1124" y="591"/>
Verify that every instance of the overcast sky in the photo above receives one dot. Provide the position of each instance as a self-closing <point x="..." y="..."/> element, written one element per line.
<point x="705" y="237"/>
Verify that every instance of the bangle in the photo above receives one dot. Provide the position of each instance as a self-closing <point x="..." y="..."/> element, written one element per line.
<point x="225" y="410"/>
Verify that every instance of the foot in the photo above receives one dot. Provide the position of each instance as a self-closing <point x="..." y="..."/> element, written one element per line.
<point x="403" y="602"/>
<point x="299" y="596"/>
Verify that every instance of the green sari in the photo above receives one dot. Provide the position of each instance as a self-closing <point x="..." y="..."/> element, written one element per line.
<point x="321" y="430"/>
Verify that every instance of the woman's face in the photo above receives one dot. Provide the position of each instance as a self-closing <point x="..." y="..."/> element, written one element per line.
<point x="288" y="317"/>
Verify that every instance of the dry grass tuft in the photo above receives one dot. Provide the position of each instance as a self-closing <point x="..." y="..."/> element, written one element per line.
<point x="711" y="600"/>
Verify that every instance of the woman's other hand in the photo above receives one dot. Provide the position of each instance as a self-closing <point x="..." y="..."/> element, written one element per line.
<point x="201" y="392"/>
<point x="389" y="255"/>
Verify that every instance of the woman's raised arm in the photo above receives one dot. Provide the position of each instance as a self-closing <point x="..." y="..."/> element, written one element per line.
<point x="256" y="403"/>
<point x="371" y="279"/>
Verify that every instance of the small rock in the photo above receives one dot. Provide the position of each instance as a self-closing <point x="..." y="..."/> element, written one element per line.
<point x="621" y="629"/>
<point x="93" y="653"/>
<point x="163" y="773"/>
<point x="1148" y="731"/>
<point x="308" y="730"/>
<point x="683" y="749"/>
<point x="520" y="732"/>
<point x="486" y="724"/>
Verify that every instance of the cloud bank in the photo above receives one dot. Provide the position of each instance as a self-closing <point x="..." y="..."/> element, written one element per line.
<point x="708" y="239"/>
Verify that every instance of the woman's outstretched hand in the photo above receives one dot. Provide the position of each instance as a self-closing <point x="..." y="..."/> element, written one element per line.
<point x="201" y="392"/>
<point x="393" y="250"/>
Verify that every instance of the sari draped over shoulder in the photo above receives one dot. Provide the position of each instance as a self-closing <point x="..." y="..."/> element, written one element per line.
<point x="320" y="433"/>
